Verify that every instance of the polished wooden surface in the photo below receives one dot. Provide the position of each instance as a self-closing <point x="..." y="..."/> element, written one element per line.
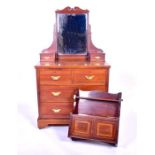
<point x="60" y="76"/>
<point x="96" y="116"/>
<point x="56" y="87"/>
<point x="69" y="10"/>
<point x="93" y="128"/>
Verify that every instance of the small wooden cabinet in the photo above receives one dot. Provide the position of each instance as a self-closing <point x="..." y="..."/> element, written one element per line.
<point x="94" y="128"/>
<point x="72" y="62"/>
<point x="96" y="117"/>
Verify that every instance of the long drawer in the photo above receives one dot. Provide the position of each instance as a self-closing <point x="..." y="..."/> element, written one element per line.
<point x="56" y="94"/>
<point x="57" y="110"/>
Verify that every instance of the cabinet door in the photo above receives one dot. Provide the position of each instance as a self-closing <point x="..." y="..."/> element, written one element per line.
<point x="106" y="130"/>
<point x="80" y="127"/>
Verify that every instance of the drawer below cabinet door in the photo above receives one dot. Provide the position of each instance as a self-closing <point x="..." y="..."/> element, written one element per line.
<point x="80" y="127"/>
<point x="105" y="129"/>
<point x="55" y="111"/>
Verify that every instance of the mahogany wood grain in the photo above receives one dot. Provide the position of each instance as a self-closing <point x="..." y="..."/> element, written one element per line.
<point x="94" y="128"/>
<point x="96" y="116"/>
<point x="55" y="110"/>
<point x="56" y="94"/>
<point x="67" y="74"/>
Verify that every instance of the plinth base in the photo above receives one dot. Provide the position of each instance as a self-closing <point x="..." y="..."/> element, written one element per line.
<point x="42" y="123"/>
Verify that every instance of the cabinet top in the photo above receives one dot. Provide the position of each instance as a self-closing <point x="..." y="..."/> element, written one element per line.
<point x="73" y="65"/>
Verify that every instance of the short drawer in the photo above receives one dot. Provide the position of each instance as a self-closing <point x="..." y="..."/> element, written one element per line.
<point x="97" y="57"/>
<point x="56" y="94"/>
<point x="47" y="57"/>
<point x="90" y="76"/>
<point x="55" y="76"/>
<point x="57" y="110"/>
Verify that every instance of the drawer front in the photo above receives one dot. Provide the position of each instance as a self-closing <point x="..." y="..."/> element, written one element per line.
<point x="90" y="76"/>
<point x="57" y="110"/>
<point x="55" y="76"/>
<point x="56" y="94"/>
<point x="106" y="129"/>
<point x="80" y="127"/>
<point x="47" y="57"/>
<point x="97" y="57"/>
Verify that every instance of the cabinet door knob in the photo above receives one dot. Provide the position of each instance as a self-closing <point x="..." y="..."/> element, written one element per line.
<point x="56" y="93"/>
<point x="55" y="77"/>
<point x="56" y="110"/>
<point x="89" y="77"/>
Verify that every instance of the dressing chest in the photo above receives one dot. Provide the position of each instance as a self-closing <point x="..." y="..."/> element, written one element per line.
<point x="72" y="62"/>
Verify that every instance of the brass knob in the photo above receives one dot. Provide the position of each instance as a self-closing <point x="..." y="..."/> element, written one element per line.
<point x="56" y="93"/>
<point x="89" y="77"/>
<point x="56" y="110"/>
<point x="55" y="77"/>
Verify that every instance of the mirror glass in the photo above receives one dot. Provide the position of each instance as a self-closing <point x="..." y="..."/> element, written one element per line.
<point x="71" y="33"/>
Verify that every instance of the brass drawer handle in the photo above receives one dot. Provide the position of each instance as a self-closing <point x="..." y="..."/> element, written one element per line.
<point x="56" y="93"/>
<point x="47" y="58"/>
<point x="56" y="110"/>
<point x="97" y="57"/>
<point x="89" y="77"/>
<point x="55" y="77"/>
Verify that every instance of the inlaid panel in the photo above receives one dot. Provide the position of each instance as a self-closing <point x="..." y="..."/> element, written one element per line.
<point x="81" y="127"/>
<point x="105" y="129"/>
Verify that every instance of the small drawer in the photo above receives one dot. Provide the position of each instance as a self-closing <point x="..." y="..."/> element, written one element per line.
<point x="90" y="76"/>
<point x="97" y="57"/>
<point x="57" y="110"/>
<point x="56" y="94"/>
<point x="47" y="57"/>
<point x="53" y="76"/>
